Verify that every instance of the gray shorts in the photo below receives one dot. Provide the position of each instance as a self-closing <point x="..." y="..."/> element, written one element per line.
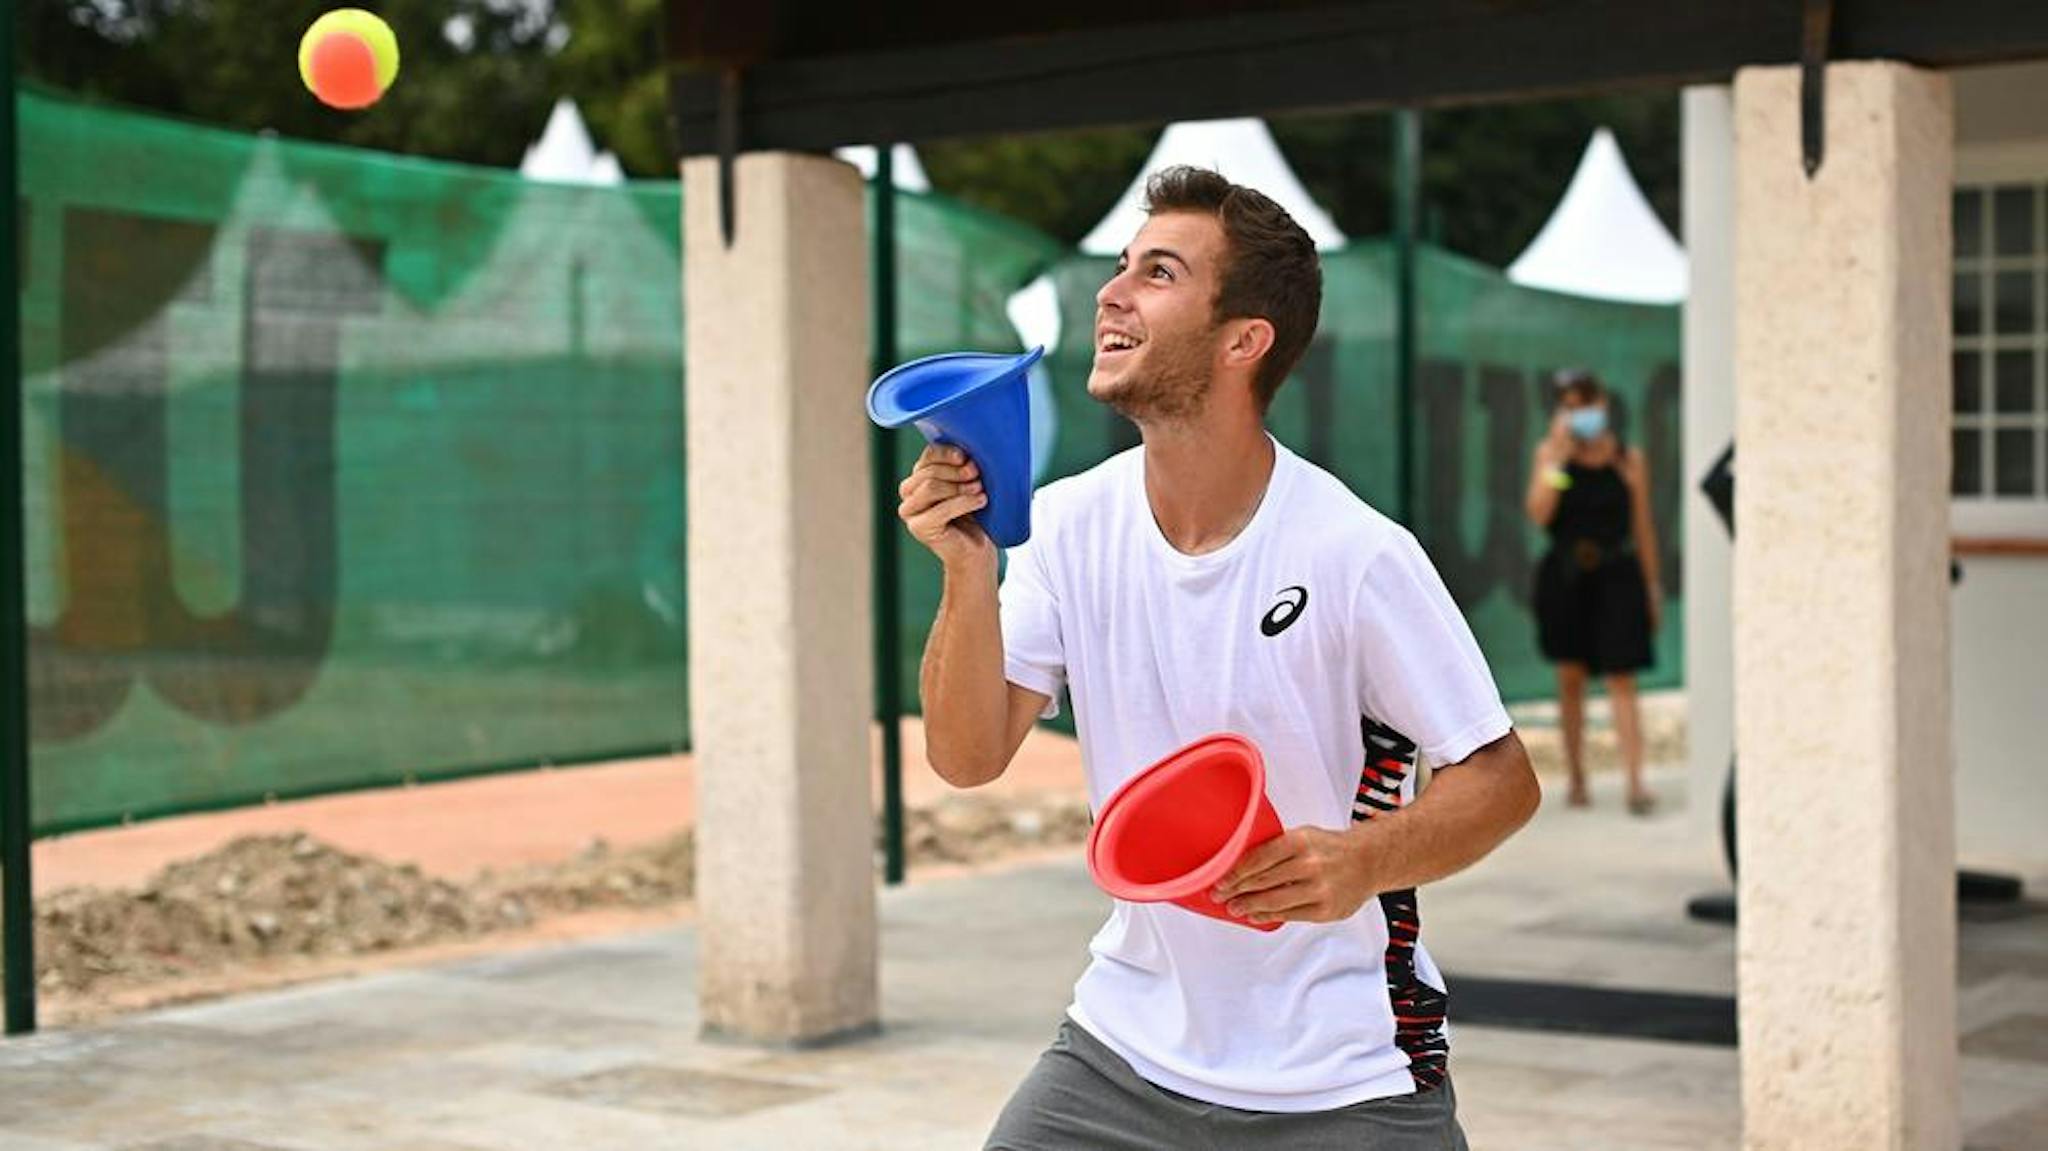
<point x="1082" y="1095"/>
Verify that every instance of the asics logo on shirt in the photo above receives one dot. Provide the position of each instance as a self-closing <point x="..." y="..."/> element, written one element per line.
<point x="1292" y="602"/>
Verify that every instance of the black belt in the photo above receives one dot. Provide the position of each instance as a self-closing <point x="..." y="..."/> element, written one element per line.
<point x="1592" y="555"/>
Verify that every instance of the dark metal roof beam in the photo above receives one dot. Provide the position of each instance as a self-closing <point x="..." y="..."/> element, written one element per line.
<point x="1383" y="54"/>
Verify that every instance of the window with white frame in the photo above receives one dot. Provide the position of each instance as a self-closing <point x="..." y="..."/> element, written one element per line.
<point x="2000" y="478"/>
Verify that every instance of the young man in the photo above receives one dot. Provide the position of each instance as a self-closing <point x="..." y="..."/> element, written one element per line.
<point x="1207" y="581"/>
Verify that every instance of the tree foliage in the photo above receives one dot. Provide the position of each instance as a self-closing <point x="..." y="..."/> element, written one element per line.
<point x="473" y="79"/>
<point x="479" y="77"/>
<point x="1490" y="174"/>
<point x="612" y="65"/>
<point x="1058" y="182"/>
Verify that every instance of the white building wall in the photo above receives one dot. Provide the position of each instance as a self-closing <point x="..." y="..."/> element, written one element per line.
<point x="2000" y="691"/>
<point x="1709" y="424"/>
<point x="2000" y="610"/>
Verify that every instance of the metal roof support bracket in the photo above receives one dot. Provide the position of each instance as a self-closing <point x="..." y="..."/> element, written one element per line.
<point x="1816" y="25"/>
<point x="728" y="148"/>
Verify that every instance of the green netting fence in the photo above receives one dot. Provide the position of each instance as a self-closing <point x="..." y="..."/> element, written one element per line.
<point x="346" y="469"/>
<point x="342" y="469"/>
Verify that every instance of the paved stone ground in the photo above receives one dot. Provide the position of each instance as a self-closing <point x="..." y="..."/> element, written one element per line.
<point x="594" y="1045"/>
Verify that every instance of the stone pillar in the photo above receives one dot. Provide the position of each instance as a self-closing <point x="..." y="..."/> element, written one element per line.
<point x="1848" y="932"/>
<point x="781" y="684"/>
<point x="1709" y="203"/>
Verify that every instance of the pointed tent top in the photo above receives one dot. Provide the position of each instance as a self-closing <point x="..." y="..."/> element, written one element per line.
<point x="907" y="170"/>
<point x="566" y="154"/>
<point x="1603" y="239"/>
<point x="1241" y="149"/>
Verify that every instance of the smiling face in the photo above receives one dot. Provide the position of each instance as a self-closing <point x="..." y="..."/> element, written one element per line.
<point x="1157" y="336"/>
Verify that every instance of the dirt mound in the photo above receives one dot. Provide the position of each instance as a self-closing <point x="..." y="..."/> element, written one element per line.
<point x="970" y="828"/>
<point x="253" y="898"/>
<point x="260" y="899"/>
<point x="601" y="876"/>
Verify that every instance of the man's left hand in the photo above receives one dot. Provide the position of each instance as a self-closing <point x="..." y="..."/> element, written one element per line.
<point x="1307" y="874"/>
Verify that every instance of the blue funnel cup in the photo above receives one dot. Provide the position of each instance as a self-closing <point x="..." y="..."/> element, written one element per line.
<point x="981" y="404"/>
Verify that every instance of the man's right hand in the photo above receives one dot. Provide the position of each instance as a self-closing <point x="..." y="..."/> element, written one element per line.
<point x="941" y="494"/>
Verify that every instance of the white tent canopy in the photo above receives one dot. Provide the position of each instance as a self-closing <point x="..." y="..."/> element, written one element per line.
<point x="1241" y="149"/>
<point x="1603" y="239"/>
<point x="1034" y="311"/>
<point x="906" y="170"/>
<point x="566" y="154"/>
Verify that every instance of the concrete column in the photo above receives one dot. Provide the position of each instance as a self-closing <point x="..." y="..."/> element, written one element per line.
<point x="1709" y="208"/>
<point x="781" y="686"/>
<point x="1848" y="933"/>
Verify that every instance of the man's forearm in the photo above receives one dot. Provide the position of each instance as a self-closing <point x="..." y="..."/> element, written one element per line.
<point x="1467" y="810"/>
<point x="966" y="699"/>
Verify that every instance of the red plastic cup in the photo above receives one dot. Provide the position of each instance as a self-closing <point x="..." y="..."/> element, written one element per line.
<point x="1173" y="831"/>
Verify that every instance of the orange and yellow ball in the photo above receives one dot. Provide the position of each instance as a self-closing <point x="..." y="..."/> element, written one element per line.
<point x="348" y="58"/>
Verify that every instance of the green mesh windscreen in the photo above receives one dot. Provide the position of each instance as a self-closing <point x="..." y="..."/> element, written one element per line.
<point x="345" y="469"/>
<point x="342" y="468"/>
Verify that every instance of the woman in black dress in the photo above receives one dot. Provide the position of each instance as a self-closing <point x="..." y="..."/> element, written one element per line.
<point x="1598" y="600"/>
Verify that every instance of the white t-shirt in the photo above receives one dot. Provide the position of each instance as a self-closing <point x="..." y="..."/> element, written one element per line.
<point x="1321" y="633"/>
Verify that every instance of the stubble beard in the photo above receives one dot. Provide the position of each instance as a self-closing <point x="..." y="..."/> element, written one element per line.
<point x="1171" y="389"/>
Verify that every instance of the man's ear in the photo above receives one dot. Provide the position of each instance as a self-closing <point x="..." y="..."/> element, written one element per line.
<point x="1250" y="340"/>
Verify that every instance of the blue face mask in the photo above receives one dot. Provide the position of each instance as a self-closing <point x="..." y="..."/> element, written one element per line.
<point x="1588" y="423"/>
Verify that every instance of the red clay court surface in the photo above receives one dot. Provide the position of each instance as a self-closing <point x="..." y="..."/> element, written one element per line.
<point x="454" y="830"/>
